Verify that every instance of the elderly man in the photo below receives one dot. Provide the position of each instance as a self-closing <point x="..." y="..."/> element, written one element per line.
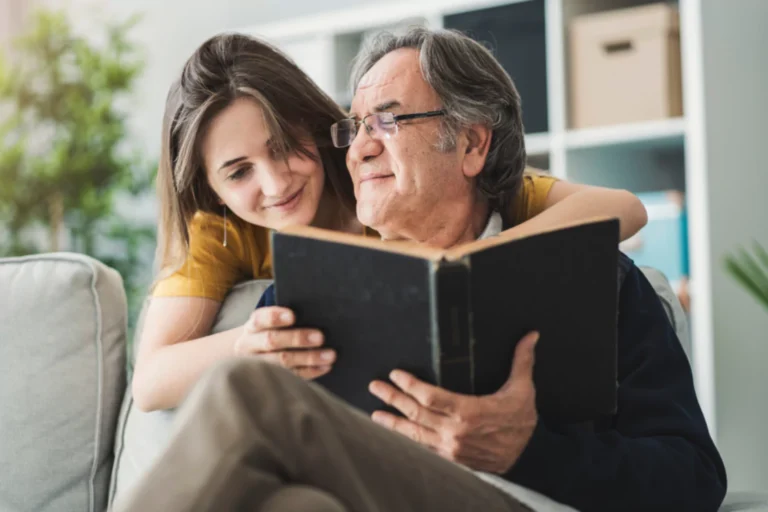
<point x="439" y="159"/>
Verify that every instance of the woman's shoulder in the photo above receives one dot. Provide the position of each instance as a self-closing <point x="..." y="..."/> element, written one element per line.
<point x="247" y="242"/>
<point x="532" y="195"/>
<point x="533" y="178"/>
<point x="221" y="253"/>
<point x="207" y="226"/>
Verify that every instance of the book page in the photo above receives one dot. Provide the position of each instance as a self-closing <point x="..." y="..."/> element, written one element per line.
<point x="459" y="252"/>
<point x="403" y="247"/>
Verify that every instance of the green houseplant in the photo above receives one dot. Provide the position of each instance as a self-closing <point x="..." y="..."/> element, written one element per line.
<point x="65" y="160"/>
<point x="750" y="269"/>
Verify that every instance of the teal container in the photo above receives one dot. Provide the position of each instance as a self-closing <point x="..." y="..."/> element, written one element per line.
<point x="663" y="242"/>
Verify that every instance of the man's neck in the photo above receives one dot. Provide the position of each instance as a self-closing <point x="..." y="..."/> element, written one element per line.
<point x="455" y="225"/>
<point x="331" y="214"/>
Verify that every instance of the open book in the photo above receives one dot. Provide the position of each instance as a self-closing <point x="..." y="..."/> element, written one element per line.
<point x="453" y="317"/>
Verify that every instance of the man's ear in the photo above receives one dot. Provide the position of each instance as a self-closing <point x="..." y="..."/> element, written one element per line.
<point x="476" y="152"/>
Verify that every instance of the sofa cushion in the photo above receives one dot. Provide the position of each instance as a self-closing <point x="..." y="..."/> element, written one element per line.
<point x="672" y="306"/>
<point x="63" y="320"/>
<point x="142" y="435"/>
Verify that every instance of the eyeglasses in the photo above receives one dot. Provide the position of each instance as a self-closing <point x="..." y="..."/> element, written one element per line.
<point x="382" y="125"/>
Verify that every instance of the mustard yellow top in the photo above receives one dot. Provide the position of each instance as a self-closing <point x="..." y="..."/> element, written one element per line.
<point x="212" y="269"/>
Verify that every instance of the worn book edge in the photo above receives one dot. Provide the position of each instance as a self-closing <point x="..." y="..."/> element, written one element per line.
<point x="414" y="249"/>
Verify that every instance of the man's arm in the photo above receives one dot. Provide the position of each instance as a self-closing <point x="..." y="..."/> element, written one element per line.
<point x="657" y="454"/>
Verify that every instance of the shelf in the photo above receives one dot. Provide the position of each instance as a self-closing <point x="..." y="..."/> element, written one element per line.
<point x="368" y="17"/>
<point x="537" y="143"/>
<point x="662" y="133"/>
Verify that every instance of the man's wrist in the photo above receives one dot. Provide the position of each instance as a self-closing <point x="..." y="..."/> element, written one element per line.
<point x="535" y="461"/>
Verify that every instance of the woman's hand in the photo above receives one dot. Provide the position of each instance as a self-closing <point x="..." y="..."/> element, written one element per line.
<point x="265" y="335"/>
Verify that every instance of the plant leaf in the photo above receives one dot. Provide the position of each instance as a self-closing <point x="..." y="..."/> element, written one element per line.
<point x="752" y="267"/>
<point x="739" y="270"/>
<point x="762" y="254"/>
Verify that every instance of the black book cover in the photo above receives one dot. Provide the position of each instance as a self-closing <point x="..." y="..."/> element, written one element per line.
<point x="453" y="317"/>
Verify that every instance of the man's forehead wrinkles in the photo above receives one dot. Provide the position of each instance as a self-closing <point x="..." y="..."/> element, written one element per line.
<point x="377" y="79"/>
<point x="368" y="98"/>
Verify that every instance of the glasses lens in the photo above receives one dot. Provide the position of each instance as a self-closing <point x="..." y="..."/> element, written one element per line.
<point x="383" y="124"/>
<point x="343" y="132"/>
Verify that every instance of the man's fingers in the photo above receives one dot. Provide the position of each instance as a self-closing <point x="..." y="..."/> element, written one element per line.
<point x="271" y="317"/>
<point x="300" y="358"/>
<point x="406" y="405"/>
<point x="431" y="397"/>
<point x="406" y="427"/>
<point x="522" y="365"/>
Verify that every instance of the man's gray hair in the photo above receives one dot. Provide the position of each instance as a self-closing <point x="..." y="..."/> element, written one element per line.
<point x="474" y="89"/>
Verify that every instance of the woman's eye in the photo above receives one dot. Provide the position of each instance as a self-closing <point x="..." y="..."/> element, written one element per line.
<point x="238" y="174"/>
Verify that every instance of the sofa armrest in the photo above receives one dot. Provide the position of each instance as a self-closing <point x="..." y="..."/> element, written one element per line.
<point x="63" y="320"/>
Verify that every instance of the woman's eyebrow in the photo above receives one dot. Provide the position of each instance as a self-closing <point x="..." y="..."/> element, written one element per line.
<point x="231" y="162"/>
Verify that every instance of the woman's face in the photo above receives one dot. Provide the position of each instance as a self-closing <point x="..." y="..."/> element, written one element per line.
<point x="258" y="186"/>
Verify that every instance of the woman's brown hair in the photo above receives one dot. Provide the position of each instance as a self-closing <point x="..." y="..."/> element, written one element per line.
<point x="221" y="70"/>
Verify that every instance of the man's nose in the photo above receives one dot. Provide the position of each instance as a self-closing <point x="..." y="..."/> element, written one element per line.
<point x="275" y="178"/>
<point x="363" y="147"/>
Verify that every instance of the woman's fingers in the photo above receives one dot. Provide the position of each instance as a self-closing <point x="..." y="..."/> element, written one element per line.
<point x="280" y="339"/>
<point x="300" y="358"/>
<point x="311" y="373"/>
<point x="271" y="317"/>
<point x="265" y="334"/>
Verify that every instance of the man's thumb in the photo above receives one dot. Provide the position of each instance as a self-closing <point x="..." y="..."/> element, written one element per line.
<point x="522" y="364"/>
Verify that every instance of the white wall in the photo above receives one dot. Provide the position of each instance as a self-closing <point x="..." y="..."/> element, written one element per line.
<point x="171" y="40"/>
<point x="12" y="16"/>
<point x="735" y="85"/>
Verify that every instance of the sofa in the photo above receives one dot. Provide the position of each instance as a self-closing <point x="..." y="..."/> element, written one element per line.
<point x="70" y="436"/>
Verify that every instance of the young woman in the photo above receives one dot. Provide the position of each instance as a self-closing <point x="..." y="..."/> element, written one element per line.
<point x="247" y="148"/>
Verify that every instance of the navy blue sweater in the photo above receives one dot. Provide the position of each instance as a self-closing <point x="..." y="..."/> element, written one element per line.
<point x="656" y="453"/>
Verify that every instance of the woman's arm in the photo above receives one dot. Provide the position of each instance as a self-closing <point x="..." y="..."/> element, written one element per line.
<point x="176" y="347"/>
<point x="568" y="202"/>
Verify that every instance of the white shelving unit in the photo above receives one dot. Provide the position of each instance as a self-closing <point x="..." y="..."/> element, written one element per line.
<point x="665" y="154"/>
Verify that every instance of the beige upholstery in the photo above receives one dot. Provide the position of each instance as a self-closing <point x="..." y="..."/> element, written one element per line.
<point x="141" y="436"/>
<point x="62" y="364"/>
<point x="672" y="306"/>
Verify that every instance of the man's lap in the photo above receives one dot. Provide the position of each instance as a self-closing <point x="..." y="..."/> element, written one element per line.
<point x="391" y="449"/>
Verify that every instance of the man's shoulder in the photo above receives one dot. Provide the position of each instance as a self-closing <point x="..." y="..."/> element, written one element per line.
<point x="267" y="298"/>
<point x="625" y="267"/>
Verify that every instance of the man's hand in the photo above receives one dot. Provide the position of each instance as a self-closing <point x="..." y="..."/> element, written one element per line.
<point x="266" y="335"/>
<point x="486" y="433"/>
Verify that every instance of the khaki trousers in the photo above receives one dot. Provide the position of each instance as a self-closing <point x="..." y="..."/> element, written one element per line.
<point x="252" y="436"/>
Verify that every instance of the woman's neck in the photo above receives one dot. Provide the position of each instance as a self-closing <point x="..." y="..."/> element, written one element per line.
<point x="331" y="214"/>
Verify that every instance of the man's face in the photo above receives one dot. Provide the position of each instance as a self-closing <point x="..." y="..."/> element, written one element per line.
<point x="403" y="182"/>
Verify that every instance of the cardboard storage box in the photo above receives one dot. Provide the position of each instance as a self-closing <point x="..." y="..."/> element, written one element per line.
<point x="625" y="66"/>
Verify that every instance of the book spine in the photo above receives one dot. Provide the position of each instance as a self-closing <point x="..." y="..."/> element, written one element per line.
<point x="451" y="331"/>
